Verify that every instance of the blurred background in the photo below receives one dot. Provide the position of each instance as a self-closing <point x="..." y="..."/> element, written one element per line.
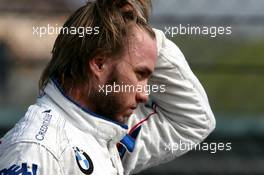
<point x="230" y="67"/>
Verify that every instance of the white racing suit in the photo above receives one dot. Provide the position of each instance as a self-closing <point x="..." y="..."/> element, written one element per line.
<point x="58" y="137"/>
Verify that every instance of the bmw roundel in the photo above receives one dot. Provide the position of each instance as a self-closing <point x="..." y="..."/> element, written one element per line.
<point x="84" y="161"/>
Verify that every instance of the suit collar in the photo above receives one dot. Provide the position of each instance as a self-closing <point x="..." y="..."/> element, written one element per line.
<point x="83" y="118"/>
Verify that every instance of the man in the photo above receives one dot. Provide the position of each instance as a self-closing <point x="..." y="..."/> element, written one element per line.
<point x="81" y="125"/>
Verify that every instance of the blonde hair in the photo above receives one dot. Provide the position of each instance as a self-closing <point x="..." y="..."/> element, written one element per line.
<point x="71" y="53"/>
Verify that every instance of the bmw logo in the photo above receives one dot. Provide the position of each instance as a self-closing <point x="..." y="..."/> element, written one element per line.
<point x="84" y="161"/>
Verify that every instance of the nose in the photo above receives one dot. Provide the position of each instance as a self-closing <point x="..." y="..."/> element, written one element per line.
<point x="142" y="97"/>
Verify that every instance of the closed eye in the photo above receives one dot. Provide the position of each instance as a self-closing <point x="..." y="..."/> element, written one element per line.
<point x="143" y="73"/>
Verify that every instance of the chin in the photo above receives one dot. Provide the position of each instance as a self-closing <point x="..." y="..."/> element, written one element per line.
<point x="122" y="119"/>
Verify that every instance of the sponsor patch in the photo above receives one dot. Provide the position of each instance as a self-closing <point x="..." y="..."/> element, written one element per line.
<point x="84" y="161"/>
<point x="24" y="169"/>
<point x="45" y="125"/>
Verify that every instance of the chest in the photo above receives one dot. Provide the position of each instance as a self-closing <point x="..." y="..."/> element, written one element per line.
<point x="86" y="154"/>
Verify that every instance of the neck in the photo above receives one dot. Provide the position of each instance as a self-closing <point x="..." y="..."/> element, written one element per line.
<point x="78" y="95"/>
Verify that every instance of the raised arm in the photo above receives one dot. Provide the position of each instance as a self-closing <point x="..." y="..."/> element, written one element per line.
<point x="179" y="115"/>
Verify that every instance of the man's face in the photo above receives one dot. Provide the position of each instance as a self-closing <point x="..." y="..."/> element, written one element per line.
<point x="132" y="70"/>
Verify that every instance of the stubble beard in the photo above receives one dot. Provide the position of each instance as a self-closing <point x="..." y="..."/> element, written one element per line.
<point x="107" y="105"/>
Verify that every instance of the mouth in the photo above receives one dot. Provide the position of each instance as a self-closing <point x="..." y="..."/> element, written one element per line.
<point x="134" y="107"/>
<point x="130" y="111"/>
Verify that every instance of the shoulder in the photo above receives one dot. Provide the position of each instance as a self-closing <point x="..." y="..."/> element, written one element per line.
<point x="28" y="158"/>
<point x="41" y="126"/>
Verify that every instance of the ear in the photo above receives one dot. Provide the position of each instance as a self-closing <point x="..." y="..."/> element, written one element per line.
<point x="97" y="65"/>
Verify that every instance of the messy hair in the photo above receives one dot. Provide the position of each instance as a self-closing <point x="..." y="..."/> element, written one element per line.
<point x="71" y="53"/>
